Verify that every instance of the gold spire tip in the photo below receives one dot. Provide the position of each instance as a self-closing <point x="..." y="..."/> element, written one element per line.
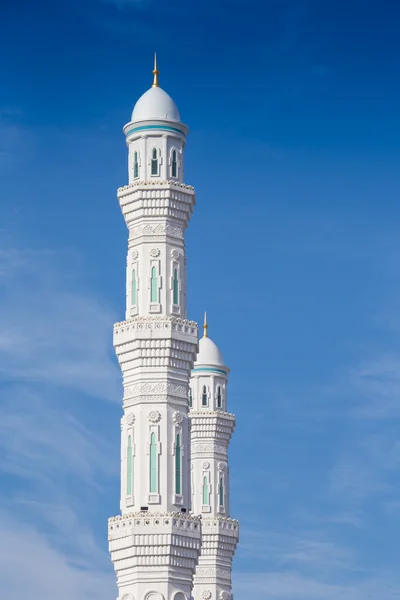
<point x="156" y="72"/>
<point x="205" y="326"/>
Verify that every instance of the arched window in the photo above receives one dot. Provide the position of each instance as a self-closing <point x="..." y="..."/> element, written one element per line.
<point x="134" y="288"/>
<point x="154" y="162"/>
<point x="153" y="463"/>
<point x="219" y="397"/>
<point x="176" y="287"/>
<point x="221" y="491"/>
<point x="204" y="399"/>
<point x="153" y="286"/>
<point x="129" y="467"/>
<point x="178" y="465"/>
<point x="205" y="491"/>
<point x="174" y="164"/>
<point x="135" y="165"/>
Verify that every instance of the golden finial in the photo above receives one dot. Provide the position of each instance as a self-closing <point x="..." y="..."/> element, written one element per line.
<point x="156" y="72"/>
<point x="205" y="326"/>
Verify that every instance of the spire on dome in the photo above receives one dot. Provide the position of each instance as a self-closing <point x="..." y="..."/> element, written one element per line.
<point x="156" y="72"/>
<point x="205" y="326"/>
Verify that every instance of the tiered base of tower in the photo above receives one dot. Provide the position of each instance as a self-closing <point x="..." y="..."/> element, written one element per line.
<point x="212" y="580"/>
<point x="154" y="554"/>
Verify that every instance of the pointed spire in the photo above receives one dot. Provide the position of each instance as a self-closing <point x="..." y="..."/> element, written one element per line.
<point x="205" y="326"/>
<point x="156" y="72"/>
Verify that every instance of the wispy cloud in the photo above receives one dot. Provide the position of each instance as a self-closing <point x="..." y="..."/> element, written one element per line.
<point x="55" y="438"/>
<point x="55" y="460"/>
<point x="51" y="328"/>
<point x="294" y="585"/>
<point x="309" y="549"/>
<point x="29" y="562"/>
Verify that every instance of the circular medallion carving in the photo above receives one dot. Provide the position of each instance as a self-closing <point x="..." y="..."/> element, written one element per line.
<point x="154" y="252"/>
<point x="206" y="465"/>
<point x="206" y="594"/>
<point x="221" y="466"/>
<point x="224" y="595"/>
<point x="135" y="254"/>
<point x="174" y="254"/>
<point x="178" y="417"/>
<point x="130" y="418"/>
<point x="154" y="416"/>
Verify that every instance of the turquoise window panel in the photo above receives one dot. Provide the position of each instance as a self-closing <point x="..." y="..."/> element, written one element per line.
<point x="178" y="473"/>
<point x="129" y="467"/>
<point x="175" y="287"/>
<point x="153" y="463"/>
<point x="206" y="494"/>
<point x="154" y="285"/>
<point x="134" y="288"/>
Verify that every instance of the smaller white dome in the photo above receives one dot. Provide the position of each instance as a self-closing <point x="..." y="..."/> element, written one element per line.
<point x="155" y="104"/>
<point x="209" y="354"/>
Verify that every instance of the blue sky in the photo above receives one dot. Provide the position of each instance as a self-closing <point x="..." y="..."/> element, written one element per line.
<point x="293" y="249"/>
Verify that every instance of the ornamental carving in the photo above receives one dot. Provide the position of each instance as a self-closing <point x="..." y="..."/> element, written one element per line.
<point x="206" y="594"/>
<point x="154" y="416"/>
<point x="154" y="252"/>
<point x="130" y="418"/>
<point x="135" y="254"/>
<point x="206" y="465"/>
<point x="213" y="572"/>
<point x="209" y="448"/>
<point x="140" y="389"/>
<point x="224" y="595"/>
<point x="174" y="254"/>
<point x="221" y="466"/>
<point x="178" y="417"/>
<point x="148" y="229"/>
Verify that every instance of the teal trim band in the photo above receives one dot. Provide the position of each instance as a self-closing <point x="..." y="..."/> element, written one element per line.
<point x="162" y="127"/>
<point x="208" y="370"/>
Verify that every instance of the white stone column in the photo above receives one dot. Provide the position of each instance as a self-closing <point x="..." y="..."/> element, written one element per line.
<point x="211" y="431"/>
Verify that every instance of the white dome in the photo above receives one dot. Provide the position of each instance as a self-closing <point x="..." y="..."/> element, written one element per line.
<point x="209" y="354"/>
<point x="155" y="104"/>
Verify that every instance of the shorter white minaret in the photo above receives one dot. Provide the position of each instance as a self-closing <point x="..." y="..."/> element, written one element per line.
<point x="211" y="430"/>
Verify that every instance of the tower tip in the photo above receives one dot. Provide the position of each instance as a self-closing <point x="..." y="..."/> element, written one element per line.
<point x="156" y="72"/>
<point x="205" y="325"/>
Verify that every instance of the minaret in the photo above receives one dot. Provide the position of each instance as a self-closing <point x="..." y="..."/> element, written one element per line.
<point x="211" y="430"/>
<point x="155" y="542"/>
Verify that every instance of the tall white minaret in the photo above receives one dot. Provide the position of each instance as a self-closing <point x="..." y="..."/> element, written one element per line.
<point x="155" y="542"/>
<point x="211" y="430"/>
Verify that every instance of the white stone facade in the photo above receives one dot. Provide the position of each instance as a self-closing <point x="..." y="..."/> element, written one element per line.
<point x="164" y="524"/>
<point x="211" y="430"/>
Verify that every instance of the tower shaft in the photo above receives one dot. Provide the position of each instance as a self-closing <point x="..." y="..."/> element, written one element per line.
<point x="155" y="542"/>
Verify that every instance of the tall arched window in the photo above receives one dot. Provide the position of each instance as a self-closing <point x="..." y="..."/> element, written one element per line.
<point x="205" y="491"/>
<point x="221" y="491"/>
<point x="134" y="288"/>
<point x="153" y="286"/>
<point x="219" y="397"/>
<point x="176" y="287"/>
<point x="129" y="467"/>
<point x="190" y="398"/>
<point x="154" y="162"/>
<point x="204" y="399"/>
<point x="174" y="164"/>
<point x="153" y="463"/>
<point x="135" y="165"/>
<point x="178" y="465"/>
